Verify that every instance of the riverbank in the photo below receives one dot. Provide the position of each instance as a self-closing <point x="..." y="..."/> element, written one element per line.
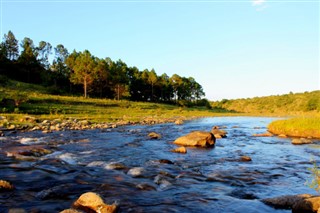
<point x="307" y="127"/>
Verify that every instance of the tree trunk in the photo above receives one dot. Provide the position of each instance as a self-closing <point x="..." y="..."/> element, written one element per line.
<point x="152" y="92"/>
<point x="85" y="87"/>
<point x="118" y="92"/>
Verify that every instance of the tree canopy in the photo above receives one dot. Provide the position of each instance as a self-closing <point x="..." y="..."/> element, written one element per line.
<point x="98" y="77"/>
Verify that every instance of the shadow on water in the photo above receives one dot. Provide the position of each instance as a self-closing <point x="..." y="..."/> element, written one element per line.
<point x="142" y="174"/>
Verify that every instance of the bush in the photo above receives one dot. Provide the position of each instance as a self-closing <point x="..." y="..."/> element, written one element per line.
<point x="315" y="182"/>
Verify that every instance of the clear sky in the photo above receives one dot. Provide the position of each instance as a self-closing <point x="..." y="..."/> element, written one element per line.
<point x="234" y="49"/>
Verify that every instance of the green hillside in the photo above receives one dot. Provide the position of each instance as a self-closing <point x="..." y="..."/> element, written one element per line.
<point x="18" y="100"/>
<point x="289" y="104"/>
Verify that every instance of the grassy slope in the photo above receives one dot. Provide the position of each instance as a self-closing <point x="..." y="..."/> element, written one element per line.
<point x="304" y="107"/>
<point x="38" y="103"/>
<point x="289" y="104"/>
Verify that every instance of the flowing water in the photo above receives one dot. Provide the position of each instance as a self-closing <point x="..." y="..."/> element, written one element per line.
<point x="142" y="175"/>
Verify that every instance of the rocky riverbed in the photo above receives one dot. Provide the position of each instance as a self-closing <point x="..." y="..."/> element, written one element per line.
<point x="138" y="171"/>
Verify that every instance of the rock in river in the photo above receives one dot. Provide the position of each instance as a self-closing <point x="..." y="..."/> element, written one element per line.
<point x="300" y="141"/>
<point x="180" y="149"/>
<point x="197" y="138"/>
<point x="5" y="186"/>
<point x="307" y="205"/>
<point x="154" y="135"/>
<point x="218" y="133"/>
<point x="92" y="202"/>
<point x="286" y="201"/>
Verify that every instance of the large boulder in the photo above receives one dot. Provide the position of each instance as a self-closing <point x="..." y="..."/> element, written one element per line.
<point x="307" y="205"/>
<point x="218" y="133"/>
<point x="286" y="201"/>
<point x="197" y="138"/>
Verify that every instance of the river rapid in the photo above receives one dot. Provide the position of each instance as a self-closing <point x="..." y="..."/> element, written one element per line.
<point x="125" y="166"/>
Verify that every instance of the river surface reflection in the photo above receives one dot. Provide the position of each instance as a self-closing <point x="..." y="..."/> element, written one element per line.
<point x="203" y="180"/>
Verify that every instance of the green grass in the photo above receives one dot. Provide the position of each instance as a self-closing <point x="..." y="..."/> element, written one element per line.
<point x="297" y="127"/>
<point x="36" y="101"/>
<point x="289" y="104"/>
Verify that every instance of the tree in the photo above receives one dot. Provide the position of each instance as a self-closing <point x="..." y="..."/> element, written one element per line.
<point x="60" y="72"/>
<point x="152" y="79"/>
<point x="44" y="50"/>
<point x="83" y="69"/>
<point x="33" y="71"/>
<point x="176" y="82"/>
<point x="119" y="78"/>
<point x="3" y="52"/>
<point x="29" y="53"/>
<point x="11" y="46"/>
<point x="103" y="72"/>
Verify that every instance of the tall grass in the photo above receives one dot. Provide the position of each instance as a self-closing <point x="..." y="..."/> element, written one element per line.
<point x="297" y="127"/>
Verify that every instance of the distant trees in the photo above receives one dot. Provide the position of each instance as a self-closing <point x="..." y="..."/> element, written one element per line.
<point x="98" y="77"/>
<point x="10" y="46"/>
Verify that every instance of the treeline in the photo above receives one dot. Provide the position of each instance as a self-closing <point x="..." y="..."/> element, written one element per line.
<point x="81" y="72"/>
<point x="278" y="104"/>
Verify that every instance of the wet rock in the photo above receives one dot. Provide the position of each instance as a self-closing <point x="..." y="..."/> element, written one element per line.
<point x="179" y="122"/>
<point x="240" y="193"/>
<point x="300" y="141"/>
<point x="6" y="186"/>
<point x="180" y="149"/>
<point x="162" y="181"/>
<point x="55" y="192"/>
<point x="154" y="135"/>
<point x="17" y="210"/>
<point x="71" y="211"/>
<point x="28" y="151"/>
<point x="286" y="201"/>
<point x="245" y="158"/>
<point x="165" y="161"/>
<point x="91" y="201"/>
<point x="266" y="134"/>
<point x="282" y="136"/>
<point x="115" y="166"/>
<point x="218" y="133"/>
<point x="145" y="187"/>
<point x="136" y="171"/>
<point x="11" y="127"/>
<point x="197" y="138"/>
<point x="307" y="205"/>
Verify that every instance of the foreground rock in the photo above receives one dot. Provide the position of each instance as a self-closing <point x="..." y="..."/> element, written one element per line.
<point x="301" y="203"/>
<point x="5" y="186"/>
<point x="197" y="138"/>
<point x="307" y="205"/>
<point x="218" y="133"/>
<point x="300" y="141"/>
<point x="181" y="149"/>
<point x="92" y="202"/>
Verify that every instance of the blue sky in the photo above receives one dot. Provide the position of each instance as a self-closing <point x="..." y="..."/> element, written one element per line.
<point x="234" y="49"/>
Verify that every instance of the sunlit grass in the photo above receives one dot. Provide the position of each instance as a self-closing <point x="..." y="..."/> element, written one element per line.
<point x="297" y="127"/>
<point x="35" y="101"/>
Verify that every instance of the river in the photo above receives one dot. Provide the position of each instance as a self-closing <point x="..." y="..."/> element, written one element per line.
<point x="202" y="180"/>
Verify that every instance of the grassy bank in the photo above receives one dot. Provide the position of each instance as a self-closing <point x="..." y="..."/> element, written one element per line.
<point x="297" y="127"/>
<point x="35" y="101"/>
